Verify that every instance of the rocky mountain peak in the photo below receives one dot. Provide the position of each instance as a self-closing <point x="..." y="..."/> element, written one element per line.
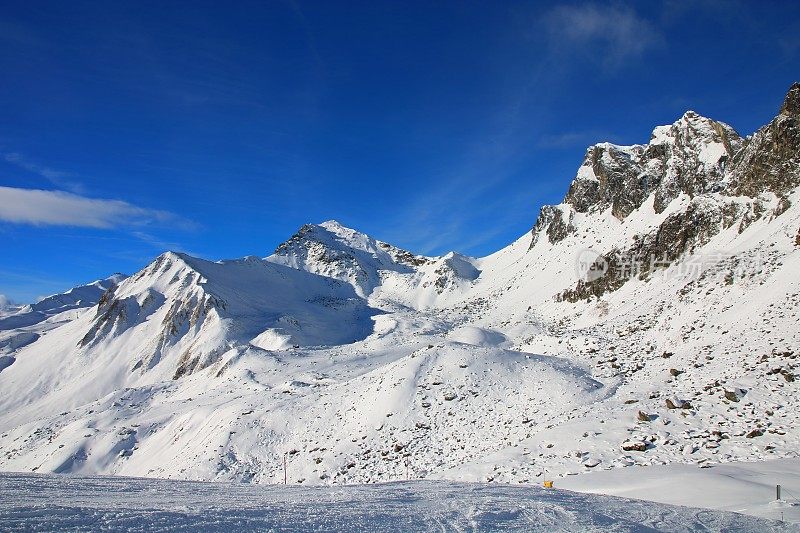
<point x="723" y="181"/>
<point x="694" y="157"/>
<point x="771" y="159"/>
<point x="688" y="156"/>
<point x="336" y="251"/>
<point x="791" y="104"/>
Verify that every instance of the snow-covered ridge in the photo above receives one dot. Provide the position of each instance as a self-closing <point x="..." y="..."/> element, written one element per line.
<point x="76" y="298"/>
<point x="332" y="250"/>
<point x="206" y="308"/>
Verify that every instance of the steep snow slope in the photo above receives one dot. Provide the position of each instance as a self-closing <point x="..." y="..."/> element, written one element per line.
<point x="649" y="318"/>
<point x="23" y="325"/>
<point x="177" y="316"/>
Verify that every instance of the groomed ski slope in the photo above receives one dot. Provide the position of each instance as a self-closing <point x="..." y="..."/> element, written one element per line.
<point x="31" y="502"/>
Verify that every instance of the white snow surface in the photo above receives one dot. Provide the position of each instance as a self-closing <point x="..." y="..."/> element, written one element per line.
<point x="30" y="502"/>
<point x="747" y="488"/>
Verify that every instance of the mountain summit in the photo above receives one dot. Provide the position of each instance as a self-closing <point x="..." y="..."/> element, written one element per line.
<point x="333" y="250"/>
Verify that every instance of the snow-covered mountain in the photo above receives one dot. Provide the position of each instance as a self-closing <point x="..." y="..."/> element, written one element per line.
<point x="75" y="298"/>
<point x="23" y="325"/>
<point x="649" y="318"/>
<point x="332" y="250"/>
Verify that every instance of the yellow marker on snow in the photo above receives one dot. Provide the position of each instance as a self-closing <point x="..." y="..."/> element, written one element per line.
<point x="548" y="484"/>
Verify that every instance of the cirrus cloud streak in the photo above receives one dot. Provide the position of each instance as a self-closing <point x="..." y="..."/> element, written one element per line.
<point x="59" y="208"/>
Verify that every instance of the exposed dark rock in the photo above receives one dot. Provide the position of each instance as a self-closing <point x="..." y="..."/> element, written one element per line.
<point x="677" y="404"/>
<point x="634" y="446"/>
<point x="619" y="182"/>
<point x="771" y="160"/>
<point x="783" y="205"/>
<point x="755" y="433"/>
<point x="671" y="404"/>
<point x="704" y="159"/>
<point x="678" y="234"/>
<point x="791" y="104"/>
<point x="731" y="396"/>
<point x="552" y="222"/>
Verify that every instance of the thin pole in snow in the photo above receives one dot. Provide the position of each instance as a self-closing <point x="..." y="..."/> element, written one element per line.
<point x="284" y="468"/>
<point x="778" y="491"/>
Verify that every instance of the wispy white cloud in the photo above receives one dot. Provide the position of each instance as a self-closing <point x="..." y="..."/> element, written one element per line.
<point x="569" y="139"/>
<point x="610" y="35"/>
<point x="162" y="245"/>
<point x="4" y="302"/>
<point x="59" y="208"/>
<point x="58" y="178"/>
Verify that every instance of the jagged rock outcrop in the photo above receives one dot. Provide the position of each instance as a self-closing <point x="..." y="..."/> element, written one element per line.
<point x="555" y="221"/>
<point x="686" y="157"/>
<point x="770" y="162"/>
<point x="606" y="172"/>
<point x="724" y="177"/>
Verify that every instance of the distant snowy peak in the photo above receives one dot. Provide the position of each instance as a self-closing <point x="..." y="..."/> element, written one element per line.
<point x="79" y="297"/>
<point x="332" y="250"/>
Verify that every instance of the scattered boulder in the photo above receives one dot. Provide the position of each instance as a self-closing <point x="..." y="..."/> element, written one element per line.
<point x="674" y="403"/>
<point x="755" y="433"/>
<point x="634" y="445"/>
<point x="675" y="372"/>
<point x="731" y="395"/>
<point x="734" y="395"/>
<point x="643" y="417"/>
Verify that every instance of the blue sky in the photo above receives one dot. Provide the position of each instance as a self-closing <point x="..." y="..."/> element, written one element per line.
<point x="218" y="128"/>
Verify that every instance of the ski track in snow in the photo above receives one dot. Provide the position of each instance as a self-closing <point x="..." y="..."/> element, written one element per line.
<point x="30" y="502"/>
